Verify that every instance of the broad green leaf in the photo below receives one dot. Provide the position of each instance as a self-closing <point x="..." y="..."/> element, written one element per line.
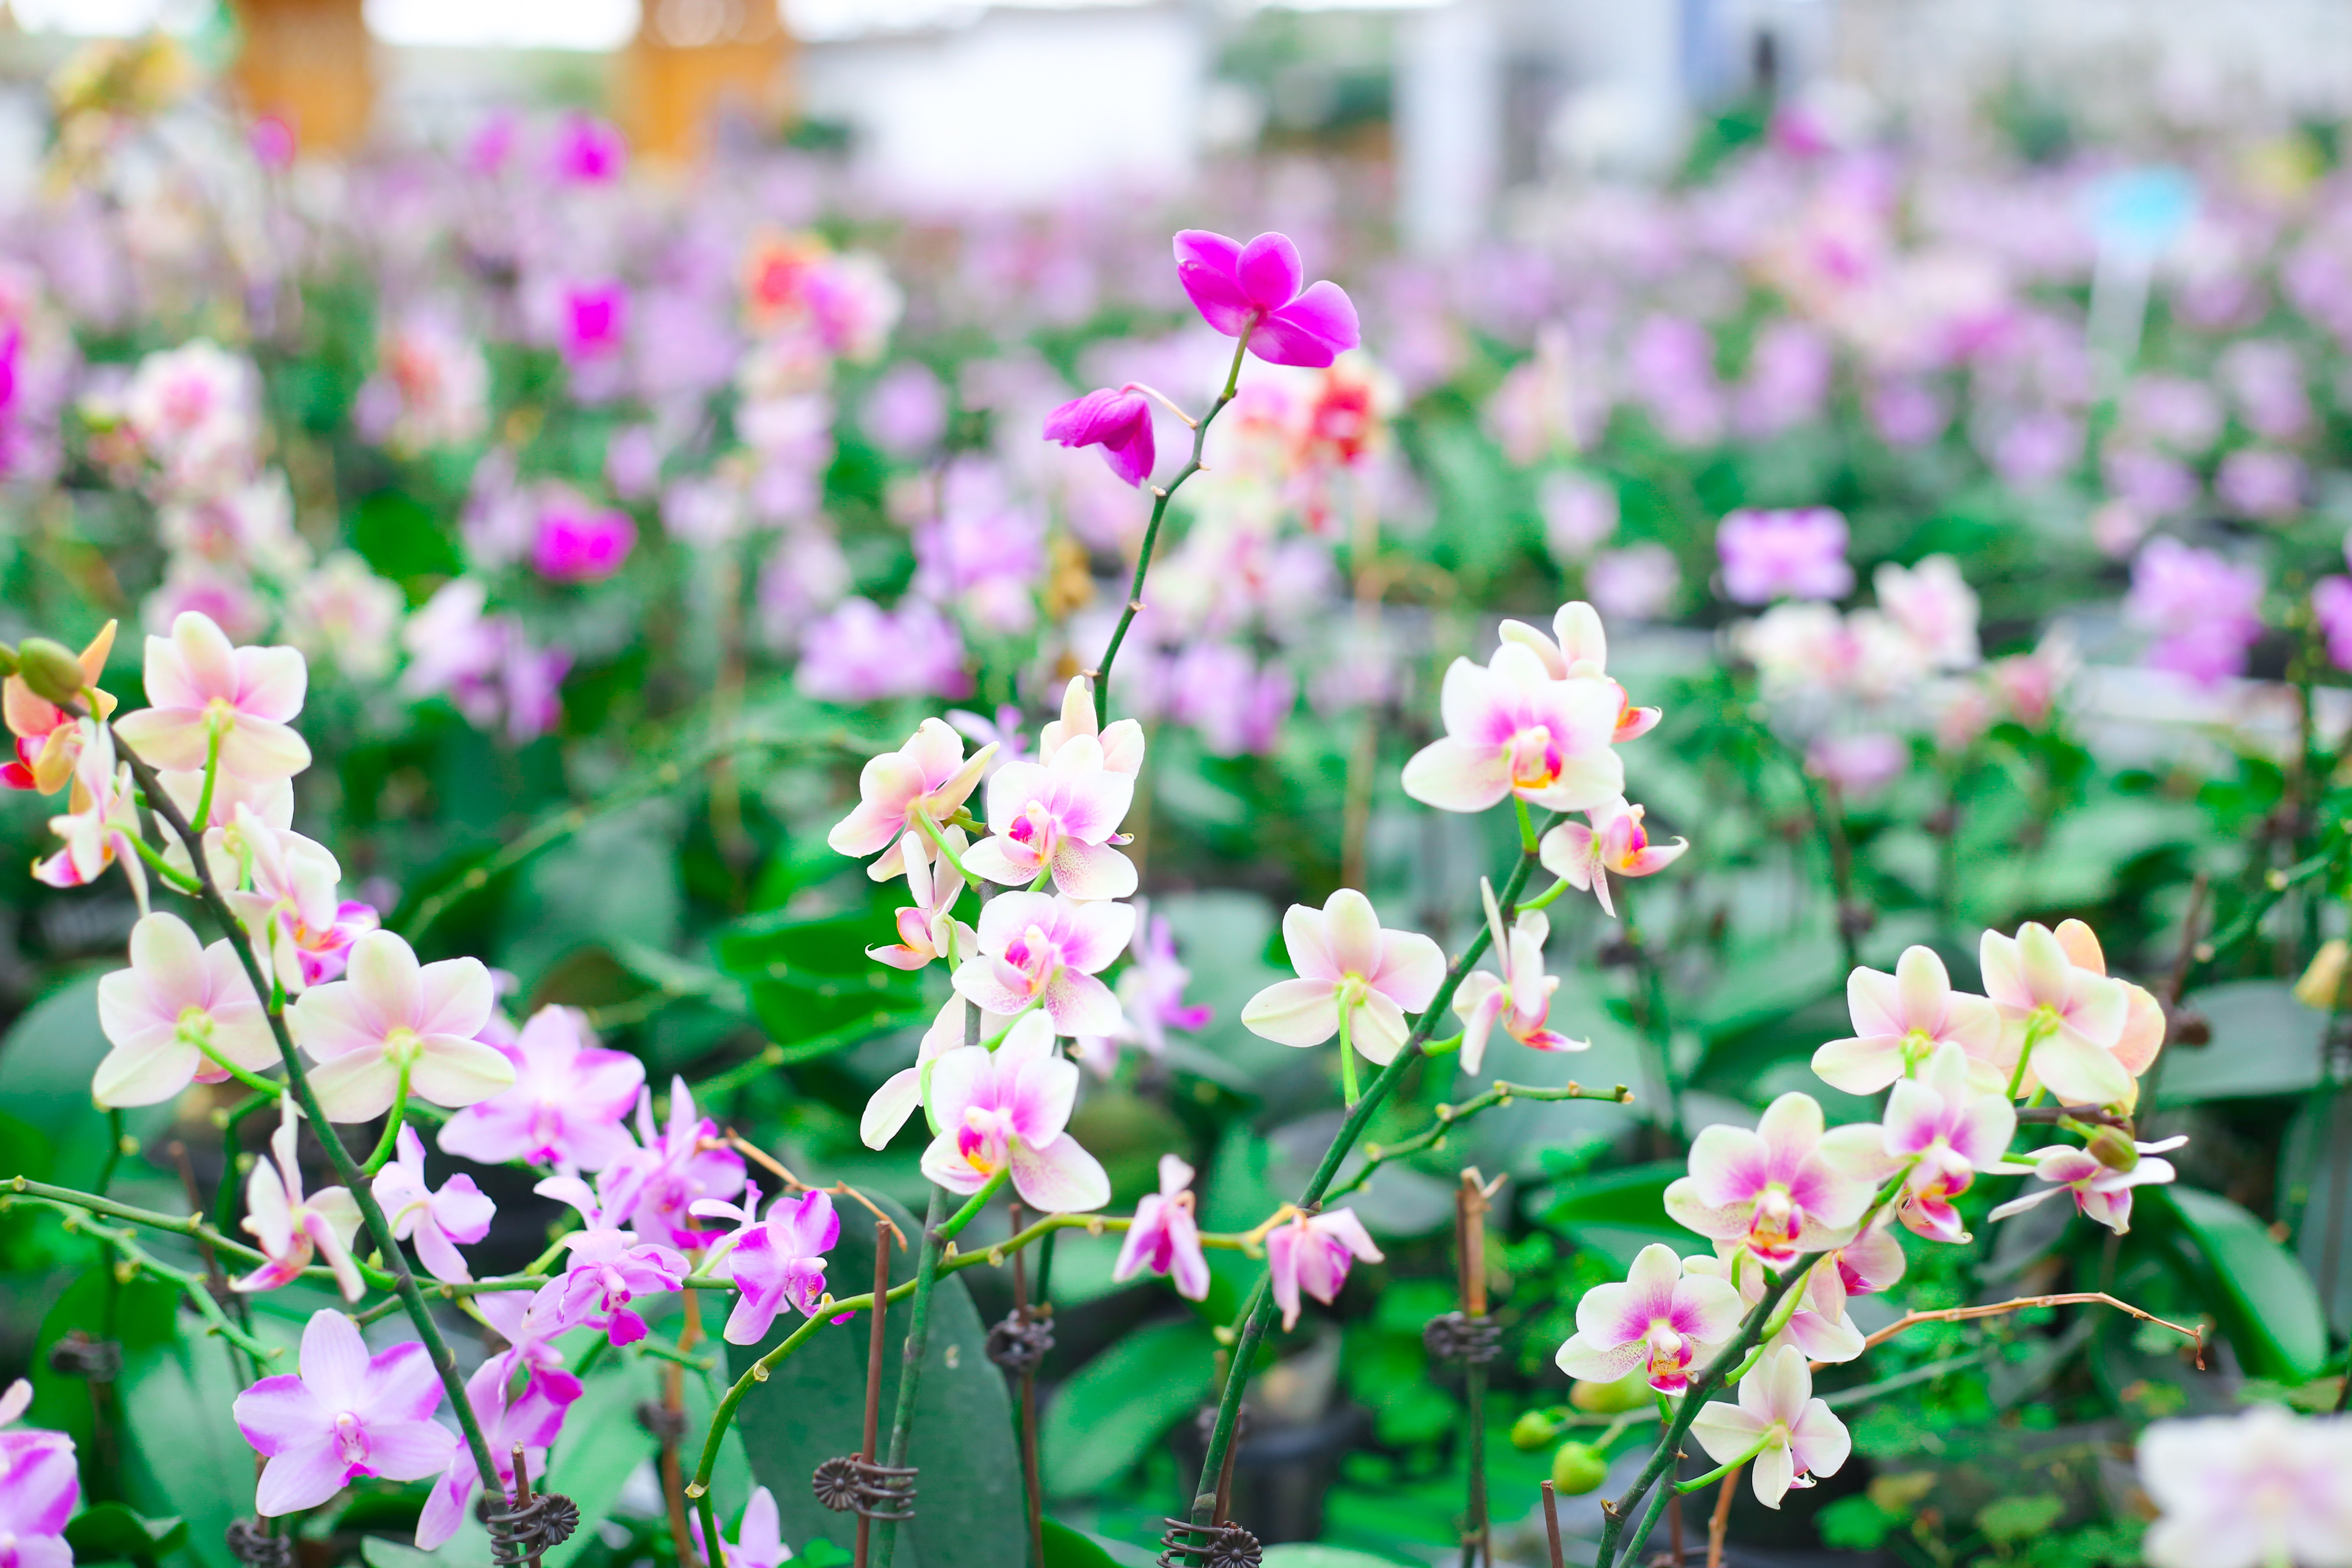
<point x="970" y="1511"/>
<point x="615" y="882"/>
<point x="2315" y="1184"/>
<point x="1308" y="1556"/>
<point x="1107" y="1417"/>
<point x="2264" y="1042"/>
<point x="1616" y="1213"/>
<point x="45" y="1063"/>
<point x="109" y="1533"/>
<point x="811" y="984"/>
<point x="1068" y="1548"/>
<point x="602" y="1445"/>
<point x="2266" y="1301"/>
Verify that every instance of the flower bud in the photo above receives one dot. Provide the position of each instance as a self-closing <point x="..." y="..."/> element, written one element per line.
<point x="2113" y="1147"/>
<point x="1630" y="1392"/>
<point x="1578" y="1469"/>
<point x="7" y="659"/>
<point x="50" y="670"/>
<point x="2323" y="982"/>
<point x="1532" y="1431"/>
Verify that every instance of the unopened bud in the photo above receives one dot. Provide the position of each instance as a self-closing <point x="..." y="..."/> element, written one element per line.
<point x="2113" y="1147"/>
<point x="50" y="670"/>
<point x="1532" y="1431"/>
<point x="1578" y="1469"/>
<point x="1630" y="1392"/>
<point x="2323" y="982"/>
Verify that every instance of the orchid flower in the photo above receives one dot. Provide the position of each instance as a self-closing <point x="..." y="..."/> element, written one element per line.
<point x="1794" y="554"/>
<point x="101" y="822"/>
<point x="1119" y="420"/>
<point x="1313" y="1253"/>
<point x="1579" y="646"/>
<point x="43" y="1488"/>
<point x="1045" y="950"/>
<point x="179" y="1012"/>
<point x="433" y="1222"/>
<point x="608" y="1267"/>
<point x="345" y="1414"/>
<point x="291" y="1228"/>
<point x="1947" y="1131"/>
<point x="1818" y="1323"/>
<point x="530" y="1419"/>
<point x="1784" y="1189"/>
<point x="530" y="1324"/>
<point x="1900" y="1022"/>
<point x="1512" y="730"/>
<point x="207" y="694"/>
<point x="392" y="1021"/>
<point x="1151" y="992"/>
<point x="2144" y="1023"/>
<point x="566" y="1104"/>
<point x="653" y="1187"/>
<point x="2257" y="1489"/>
<point x="780" y="1262"/>
<point x="1253" y="290"/>
<point x="1663" y="1321"/>
<point x="2101" y="1188"/>
<point x="1354" y="978"/>
<point x="1164" y="1237"/>
<point x="1582" y="855"/>
<point x="49" y="739"/>
<point x="928" y="929"/>
<point x="1122" y="740"/>
<point x="1790" y="1437"/>
<point x="2063" y="1021"/>
<point x="928" y="779"/>
<point x="1003" y="732"/>
<point x="301" y="931"/>
<point x="758" y="1539"/>
<point x="1011" y="1107"/>
<point x="17" y="1448"/>
<point x="902" y="1092"/>
<point x="1058" y="818"/>
<point x="1520" y="999"/>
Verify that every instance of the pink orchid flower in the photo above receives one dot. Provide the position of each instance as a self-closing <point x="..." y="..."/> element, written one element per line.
<point x="1011" y="1107"/>
<point x="531" y="1418"/>
<point x="530" y="1324"/>
<point x="345" y="1414"/>
<point x="1353" y="977"/>
<point x="1947" y="1130"/>
<point x="577" y="542"/>
<point x="175" y="1016"/>
<point x="2074" y="1017"/>
<point x="928" y="929"/>
<point x="1116" y="420"/>
<point x="1060" y="817"/>
<point x="2144" y="1025"/>
<point x="433" y="1222"/>
<point x="2252" y="1490"/>
<point x="49" y="739"/>
<point x="1045" y="950"/>
<point x="780" y="1262"/>
<point x="1791" y="1437"/>
<point x="1512" y="730"/>
<point x="1819" y="1325"/>
<point x="758" y="1539"/>
<point x="1663" y="1321"/>
<point x="1151" y="996"/>
<point x="1786" y="1188"/>
<point x="101" y="822"/>
<point x="290" y="1227"/>
<point x="928" y="777"/>
<point x="1900" y="1019"/>
<point x="1520" y="998"/>
<point x="391" y="1017"/>
<point x="1579" y="646"/>
<point x="1164" y="1237"/>
<point x="608" y="1267"/>
<point x="1253" y="289"/>
<point x="1313" y="1253"/>
<point x="301" y="930"/>
<point x="2101" y="1191"/>
<point x="593" y="322"/>
<point x="204" y="691"/>
<point x="655" y="1186"/>
<point x="1794" y="554"/>
<point x="567" y="1104"/>
<point x="44" y="1487"/>
<point x="1583" y="856"/>
<point x="902" y="1092"/>
<point x="17" y="1448"/>
<point x="1122" y="740"/>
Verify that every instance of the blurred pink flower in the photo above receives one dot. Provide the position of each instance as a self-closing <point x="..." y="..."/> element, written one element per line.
<point x="593" y="322"/>
<point x="2205" y="610"/>
<point x="1164" y="1237"/>
<point x="2251" y="1490"/>
<point x="578" y="541"/>
<point x="1637" y="583"/>
<point x="861" y="652"/>
<point x="434" y="1223"/>
<point x="1119" y="421"/>
<point x="587" y="151"/>
<point x="2259" y="483"/>
<point x="1770" y="555"/>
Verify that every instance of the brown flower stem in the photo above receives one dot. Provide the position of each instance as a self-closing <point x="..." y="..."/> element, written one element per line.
<point x="1029" y="1473"/>
<point x="1718" y="1523"/>
<point x="673" y="1405"/>
<point x="1551" y="1525"/>
<point x="877" y="1348"/>
<point x="1471" y="1198"/>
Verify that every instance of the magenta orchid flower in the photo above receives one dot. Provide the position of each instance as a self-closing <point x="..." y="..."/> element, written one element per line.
<point x="206" y="692"/>
<point x="593" y="322"/>
<point x="1151" y="991"/>
<point x="928" y="929"/>
<point x="928" y="777"/>
<point x="1947" y="1129"/>
<point x="302" y="931"/>
<point x="1354" y="977"/>
<point x="1790" y="1437"/>
<point x="1121" y="741"/>
<point x="100" y="825"/>
<point x="1520" y="998"/>
<point x="1253" y="290"/>
<point x="1059" y="817"/>
<point x="176" y="1016"/>
<point x="1512" y="730"/>
<point x="16" y="1447"/>
<point x="1579" y="646"/>
<point x="41" y="1491"/>
<point x="1662" y="1322"/>
<point x="531" y="1418"/>
<point x="1313" y="1253"/>
<point x="2067" y="1020"/>
<point x="530" y="1324"/>
<point x="566" y="1106"/>
<point x="779" y="1262"/>
<point x="392" y="1018"/>
<point x="653" y="1187"/>
<point x="1786" y="1188"/>
<point x="578" y="541"/>
<point x="434" y="1223"/>
<point x="759" y="1542"/>
<point x="291" y="1228"/>
<point x="1582" y="855"/>
<point x="2101" y="1191"/>
<point x="1042" y="950"/>
<point x="2255" y="1489"/>
<point x="345" y="1414"/>
<point x="1900" y="1019"/>
<point x="1797" y="555"/>
<point x="1117" y="420"/>
<point x="1011" y="1107"/>
<point x="608" y="1267"/>
<point x="1164" y="1237"/>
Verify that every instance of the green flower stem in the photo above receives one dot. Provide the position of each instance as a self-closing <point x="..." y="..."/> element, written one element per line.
<point x="911" y="1364"/>
<point x="1545" y="900"/>
<point x="203" y="818"/>
<point x="1101" y="672"/>
<point x="1347" y="1091"/>
<point x="251" y="1080"/>
<point x="370" y="1212"/>
<point x="1528" y="843"/>
<point x="191" y="1286"/>
<point x="161" y="868"/>
<point x="1685" y="1487"/>
<point x="1450" y="1116"/>
<point x="231" y="1125"/>
<point x="393" y="1120"/>
<point x="2037" y="1029"/>
<point x="931" y="830"/>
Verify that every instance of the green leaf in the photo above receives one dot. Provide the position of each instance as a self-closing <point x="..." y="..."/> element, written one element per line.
<point x="1107" y="1417"/>
<point x="2264" y="1042"/>
<point x="602" y="1445"/>
<point x="45" y="1063"/>
<point x="811" y="982"/>
<point x="2012" y="1518"/>
<point x="1616" y="1213"/>
<point x="109" y="1533"/>
<point x="1068" y="1548"/>
<point x="1854" y="1523"/>
<point x="2266" y="1304"/>
<point x="1311" y="1556"/>
<point x="813" y="1408"/>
